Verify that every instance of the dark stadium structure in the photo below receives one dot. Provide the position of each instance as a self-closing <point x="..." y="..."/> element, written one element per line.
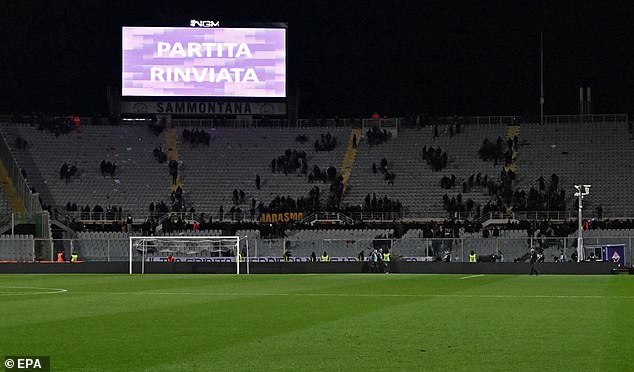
<point x="425" y="188"/>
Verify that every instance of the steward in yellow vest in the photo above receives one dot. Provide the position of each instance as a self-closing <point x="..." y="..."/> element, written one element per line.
<point x="473" y="257"/>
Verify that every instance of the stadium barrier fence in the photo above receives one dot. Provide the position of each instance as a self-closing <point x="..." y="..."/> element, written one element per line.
<point x="406" y="249"/>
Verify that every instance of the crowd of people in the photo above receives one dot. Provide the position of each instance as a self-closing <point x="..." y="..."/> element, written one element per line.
<point x="388" y="175"/>
<point x="57" y="126"/>
<point x="291" y="162"/>
<point x="447" y="182"/>
<point x="158" y="208"/>
<point x="281" y="204"/>
<point x="319" y="175"/>
<point x="452" y="129"/>
<point x="108" y="168"/>
<point x="96" y="212"/>
<point x="376" y="136"/>
<point x="477" y="181"/>
<point x="196" y="136"/>
<point x="496" y="151"/>
<point x="336" y="193"/>
<point x="435" y="157"/>
<point x="327" y="143"/>
<point x="491" y="150"/>
<point x="177" y="200"/>
<point x="457" y="204"/>
<point x="66" y="172"/>
<point x="553" y="200"/>
<point x="383" y="205"/>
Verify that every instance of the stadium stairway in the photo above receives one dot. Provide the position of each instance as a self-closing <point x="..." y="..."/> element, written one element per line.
<point x="349" y="156"/>
<point x="16" y="203"/>
<point x="172" y="154"/>
<point x="512" y="131"/>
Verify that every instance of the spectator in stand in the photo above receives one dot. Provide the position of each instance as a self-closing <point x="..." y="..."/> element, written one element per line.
<point x="328" y="143"/>
<point x="377" y="136"/>
<point x="173" y="170"/>
<point x="63" y="171"/>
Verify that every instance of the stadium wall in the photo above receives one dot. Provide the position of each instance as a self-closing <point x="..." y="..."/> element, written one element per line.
<point x="581" y="268"/>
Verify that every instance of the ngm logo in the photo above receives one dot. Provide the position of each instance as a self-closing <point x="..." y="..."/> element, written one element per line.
<point x="195" y="23"/>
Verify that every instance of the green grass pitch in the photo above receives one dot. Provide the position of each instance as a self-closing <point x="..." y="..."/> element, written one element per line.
<point x="332" y="322"/>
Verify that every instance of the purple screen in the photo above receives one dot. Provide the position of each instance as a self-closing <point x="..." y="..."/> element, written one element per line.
<point x="216" y="62"/>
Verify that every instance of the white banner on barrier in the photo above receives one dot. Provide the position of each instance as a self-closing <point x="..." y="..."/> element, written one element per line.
<point x="273" y="259"/>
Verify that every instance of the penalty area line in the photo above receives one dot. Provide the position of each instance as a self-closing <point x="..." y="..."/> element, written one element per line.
<point x="471" y="276"/>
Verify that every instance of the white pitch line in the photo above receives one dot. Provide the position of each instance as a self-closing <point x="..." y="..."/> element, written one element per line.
<point x="421" y="295"/>
<point x="48" y="291"/>
<point x="472" y="276"/>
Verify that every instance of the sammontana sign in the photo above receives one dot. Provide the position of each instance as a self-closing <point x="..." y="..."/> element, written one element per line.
<point x="204" y="108"/>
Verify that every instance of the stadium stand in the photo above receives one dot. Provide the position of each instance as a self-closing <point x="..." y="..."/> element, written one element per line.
<point x="416" y="185"/>
<point x="337" y="242"/>
<point x="598" y="154"/>
<point x="139" y="179"/>
<point x="103" y="246"/>
<point x="237" y="155"/>
<point x="18" y="247"/>
<point x="5" y="208"/>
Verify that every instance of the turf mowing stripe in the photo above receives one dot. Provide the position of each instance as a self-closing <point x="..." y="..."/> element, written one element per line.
<point x="234" y="294"/>
<point x="472" y="276"/>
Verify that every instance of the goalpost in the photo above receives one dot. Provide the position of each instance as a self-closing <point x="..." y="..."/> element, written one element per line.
<point x="189" y="249"/>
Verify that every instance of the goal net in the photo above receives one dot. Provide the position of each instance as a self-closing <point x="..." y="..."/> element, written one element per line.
<point x="188" y="249"/>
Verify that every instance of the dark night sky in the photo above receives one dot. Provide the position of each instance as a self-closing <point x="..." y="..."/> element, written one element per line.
<point x="347" y="58"/>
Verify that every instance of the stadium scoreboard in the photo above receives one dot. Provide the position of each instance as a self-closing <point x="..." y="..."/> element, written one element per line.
<point x="204" y="62"/>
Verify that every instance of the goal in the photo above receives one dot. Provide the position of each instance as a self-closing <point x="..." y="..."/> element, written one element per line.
<point x="189" y="249"/>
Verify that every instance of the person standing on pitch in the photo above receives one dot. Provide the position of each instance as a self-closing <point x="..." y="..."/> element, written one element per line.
<point x="386" y="261"/>
<point x="473" y="257"/>
<point x="374" y="260"/>
<point x="379" y="260"/>
<point x="324" y="257"/>
<point x="533" y="262"/>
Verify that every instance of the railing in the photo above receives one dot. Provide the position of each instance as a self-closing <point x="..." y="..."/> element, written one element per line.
<point x="327" y="216"/>
<point x="553" y="215"/>
<point x="336" y="122"/>
<point x="331" y="122"/>
<point x="344" y="217"/>
<point x="232" y="123"/>
<point x="30" y="199"/>
<point x="355" y="123"/>
<point x="110" y="217"/>
<point x="600" y="118"/>
<point x="476" y="120"/>
<point x="428" y="249"/>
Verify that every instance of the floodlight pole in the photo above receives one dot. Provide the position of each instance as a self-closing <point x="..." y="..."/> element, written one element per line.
<point x="582" y="190"/>
<point x="541" y="78"/>
<point x="580" y="233"/>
